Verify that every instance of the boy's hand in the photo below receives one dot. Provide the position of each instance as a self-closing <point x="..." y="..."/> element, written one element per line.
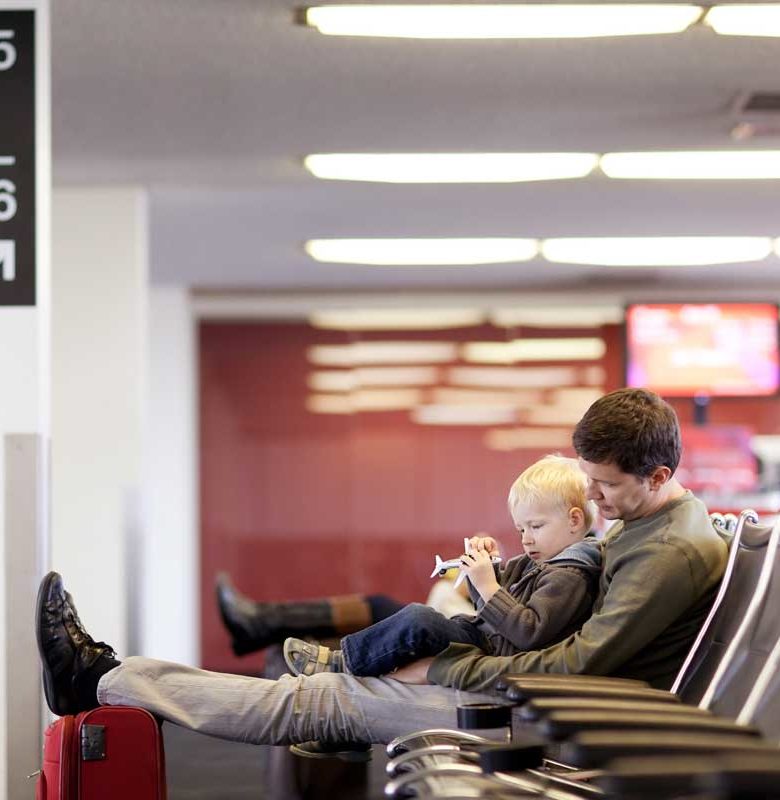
<point x="487" y="543"/>
<point x="479" y="569"/>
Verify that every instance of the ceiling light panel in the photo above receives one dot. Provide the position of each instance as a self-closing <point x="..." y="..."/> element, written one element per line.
<point x="529" y="21"/>
<point x="389" y="319"/>
<point x="657" y="251"/>
<point x="422" y="252"/>
<point x="451" y="167"/>
<point x="745" y="20"/>
<point x="693" y="165"/>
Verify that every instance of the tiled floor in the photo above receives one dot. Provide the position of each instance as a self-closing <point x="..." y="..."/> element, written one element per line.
<point x="202" y="768"/>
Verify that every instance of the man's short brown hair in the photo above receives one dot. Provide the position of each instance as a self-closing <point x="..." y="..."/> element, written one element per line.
<point x="632" y="428"/>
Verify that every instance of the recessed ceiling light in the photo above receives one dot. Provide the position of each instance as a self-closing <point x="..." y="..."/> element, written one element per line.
<point x="585" y="348"/>
<point x="450" y="167"/>
<point x="693" y="165"/>
<point x="531" y="21"/>
<point x="422" y="252"/>
<point x="658" y="251"/>
<point x="745" y="20"/>
<point x="387" y="319"/>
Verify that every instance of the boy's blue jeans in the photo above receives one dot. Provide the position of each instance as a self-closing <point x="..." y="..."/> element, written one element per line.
<point x="416" y="631"/>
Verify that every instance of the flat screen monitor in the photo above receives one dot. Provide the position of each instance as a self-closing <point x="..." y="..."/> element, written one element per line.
<point x="711" y="349"/>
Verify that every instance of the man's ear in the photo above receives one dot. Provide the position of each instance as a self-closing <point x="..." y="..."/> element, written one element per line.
<point x="659" y="477"/>
<point x="576" y="518"/>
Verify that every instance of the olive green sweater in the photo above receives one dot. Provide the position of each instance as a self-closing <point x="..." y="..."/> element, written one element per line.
<point x="657" y="582"/>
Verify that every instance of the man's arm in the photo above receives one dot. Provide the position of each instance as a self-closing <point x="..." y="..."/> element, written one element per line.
<point x="651" y="588"/>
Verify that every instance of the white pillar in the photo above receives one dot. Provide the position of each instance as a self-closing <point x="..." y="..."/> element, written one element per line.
<point x="169" y="567"/>
<point x="99" y="292"/>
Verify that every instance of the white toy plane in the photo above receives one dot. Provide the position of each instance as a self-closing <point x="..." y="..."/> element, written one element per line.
<point x="454" y="563"/>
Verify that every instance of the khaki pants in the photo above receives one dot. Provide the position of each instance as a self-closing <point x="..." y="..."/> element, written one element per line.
<point x="328" y="707"/>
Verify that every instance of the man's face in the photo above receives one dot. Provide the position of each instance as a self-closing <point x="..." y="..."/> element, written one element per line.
<point x="618" y="494"/>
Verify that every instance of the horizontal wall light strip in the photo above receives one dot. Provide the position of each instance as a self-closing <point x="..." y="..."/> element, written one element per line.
<point x="527" y="438"/>
<point x="422" y="252"/>
<point x="522" y="21"/>
<point x="347" y="380"/>
<point x="586" y="348"/>
<point x="396" y="319"/>
<point x="357" y="353"/>
<point x="552" y="317"/>
<point x="693" y="165"/>
<point x="745" y="20"/>
<point x="657" y="251"/>
<point x="463" y="415"/>
<point x="450" y="167"/>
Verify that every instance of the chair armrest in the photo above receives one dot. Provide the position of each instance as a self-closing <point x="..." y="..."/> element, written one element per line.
<point x="753" y="776"/>
<point x="521" y="692"/>
<point x="596" y="749"/>
<point x="537" y="709"/>
<point x="560" y="725"/>
<point x="503" y="682"/>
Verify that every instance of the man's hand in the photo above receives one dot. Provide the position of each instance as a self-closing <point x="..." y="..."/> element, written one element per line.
<point x="416" y="672"/>
<point x="479" y="570"/>
<point x="480" y="542"/>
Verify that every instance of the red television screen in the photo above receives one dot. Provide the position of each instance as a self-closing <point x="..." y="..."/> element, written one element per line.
<point x="716" y="349"/>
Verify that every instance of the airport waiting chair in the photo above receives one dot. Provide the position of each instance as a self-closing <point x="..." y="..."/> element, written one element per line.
<point x="739" y="574"/>
<point x="750" y="540"/>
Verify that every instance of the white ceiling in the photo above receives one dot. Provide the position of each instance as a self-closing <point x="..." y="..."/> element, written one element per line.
<point x="211" y="104"/>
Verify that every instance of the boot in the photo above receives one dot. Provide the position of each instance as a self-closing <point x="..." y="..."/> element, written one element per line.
<point x="72" y="661"/>
<point x="254" y="626"/>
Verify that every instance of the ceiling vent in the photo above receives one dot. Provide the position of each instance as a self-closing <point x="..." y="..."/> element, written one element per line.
<point x="757" y="115"/>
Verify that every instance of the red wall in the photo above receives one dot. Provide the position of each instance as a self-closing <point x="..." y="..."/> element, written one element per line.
<point x="299" y="505"/>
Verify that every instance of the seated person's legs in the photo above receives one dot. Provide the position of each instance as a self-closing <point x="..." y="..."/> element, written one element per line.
<point x="80" y="673"/>
<point x="254" y="626"/>
<point x="416" y="631"/>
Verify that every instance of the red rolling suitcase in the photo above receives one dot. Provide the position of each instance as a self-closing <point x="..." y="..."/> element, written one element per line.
<point x="108" y="753"/>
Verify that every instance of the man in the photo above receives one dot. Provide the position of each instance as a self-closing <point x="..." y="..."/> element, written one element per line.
<point x="661" y="565"/>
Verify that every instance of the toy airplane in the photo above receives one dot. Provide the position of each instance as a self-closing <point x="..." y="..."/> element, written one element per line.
<point x="454" y="563"/>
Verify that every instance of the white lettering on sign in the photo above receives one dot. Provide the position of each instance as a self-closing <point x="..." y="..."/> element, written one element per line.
<point x="7" y="259"/>
<point x="7" y="161"/>
<point x="7" y="200"/>
<point x="7" y="50"/>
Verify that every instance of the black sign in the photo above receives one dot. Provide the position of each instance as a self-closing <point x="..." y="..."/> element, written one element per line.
<point x="17" y="158"/>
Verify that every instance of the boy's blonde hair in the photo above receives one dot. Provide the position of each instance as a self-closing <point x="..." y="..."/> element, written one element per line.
<point x="554" y="480"/>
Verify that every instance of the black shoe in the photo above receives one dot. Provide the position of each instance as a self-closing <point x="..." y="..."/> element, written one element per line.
<point x="73" y="662"/>
<point x="243" y="618"/>
<point x="355" y="752"/>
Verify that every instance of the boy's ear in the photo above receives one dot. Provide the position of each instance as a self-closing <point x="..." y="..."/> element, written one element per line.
<point x="576" y="518"/>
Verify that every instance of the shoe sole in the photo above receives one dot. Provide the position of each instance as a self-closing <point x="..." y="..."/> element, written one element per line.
<point x="288" y="659"/>
<point x="52" y="699"/>
<point x="349" y="756"/>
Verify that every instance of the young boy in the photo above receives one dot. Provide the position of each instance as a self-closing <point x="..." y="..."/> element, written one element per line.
<point x="538" y="598"/>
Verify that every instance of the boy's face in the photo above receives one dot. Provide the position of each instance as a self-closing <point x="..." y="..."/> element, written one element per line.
<point x="546" y="530"/>
<point x="618" y="494"/>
